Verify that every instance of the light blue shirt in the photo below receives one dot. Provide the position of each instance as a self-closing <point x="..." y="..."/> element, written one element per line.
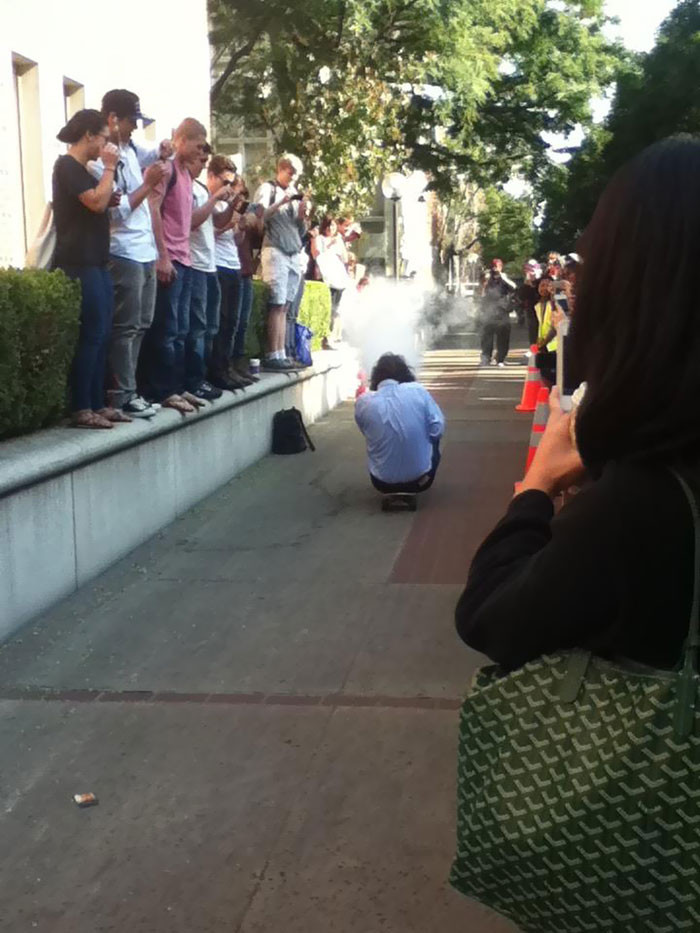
<point x="399" y="421"/>
<point x="131" y="231"/>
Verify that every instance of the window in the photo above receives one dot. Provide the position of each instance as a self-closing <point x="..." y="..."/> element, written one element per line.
<point x="73" y="97"/>
<point x="26" y="81"/>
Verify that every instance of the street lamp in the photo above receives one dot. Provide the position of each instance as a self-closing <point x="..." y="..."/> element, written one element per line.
<point x="393" y="186"/>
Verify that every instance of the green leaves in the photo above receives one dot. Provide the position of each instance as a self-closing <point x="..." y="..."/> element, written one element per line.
<point x="455" y="87"/>
<point x="656" y="97"/>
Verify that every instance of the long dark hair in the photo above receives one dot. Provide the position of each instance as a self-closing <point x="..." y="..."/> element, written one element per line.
<point x="325" y="224"/>
<point x="635" y="336"/>
<point x="82" y="122"/>
<point x="390" y="366"/>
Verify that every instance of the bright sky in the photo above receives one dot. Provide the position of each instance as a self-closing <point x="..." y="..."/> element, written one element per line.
<point x="639" y="20"/>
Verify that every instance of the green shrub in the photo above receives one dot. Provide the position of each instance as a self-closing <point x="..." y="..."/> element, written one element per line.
<point x="315" y="312"/>
<point x="39" y="323"/>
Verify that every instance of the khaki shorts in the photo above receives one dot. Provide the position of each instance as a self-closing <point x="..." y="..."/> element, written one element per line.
<point x="280" y="272"/>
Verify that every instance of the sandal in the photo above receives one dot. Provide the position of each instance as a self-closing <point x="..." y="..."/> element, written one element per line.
<point x="178" y="403"/>
<point x="89" y="419"/>
<point x="115" y="415"/>
<point x="194" y="400"/>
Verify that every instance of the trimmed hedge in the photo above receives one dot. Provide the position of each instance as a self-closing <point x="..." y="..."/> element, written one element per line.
<point x="314" y="311"/>
<point x="39" y="323"/>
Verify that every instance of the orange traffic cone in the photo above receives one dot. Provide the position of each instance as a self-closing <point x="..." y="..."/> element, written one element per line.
<point x="539" y="423"/>
<point x="532" y="385"/>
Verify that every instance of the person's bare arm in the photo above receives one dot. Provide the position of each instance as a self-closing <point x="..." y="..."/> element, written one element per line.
<point x="152" y="177"/>
<point x="165" y="270"/>
<point x="97" y="199"/>
<point x="200" y="214"/>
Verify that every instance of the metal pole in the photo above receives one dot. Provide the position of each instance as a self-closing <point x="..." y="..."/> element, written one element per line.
<point x="395" y="204"/>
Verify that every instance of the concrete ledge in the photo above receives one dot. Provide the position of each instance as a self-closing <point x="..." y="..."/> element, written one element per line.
<point x="72" y="502"/>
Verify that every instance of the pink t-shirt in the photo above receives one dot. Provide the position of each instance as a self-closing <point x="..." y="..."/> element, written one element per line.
<point x="176" y="211"/>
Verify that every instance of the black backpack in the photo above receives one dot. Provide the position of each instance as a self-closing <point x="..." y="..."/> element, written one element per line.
<point x="289" y="434"/>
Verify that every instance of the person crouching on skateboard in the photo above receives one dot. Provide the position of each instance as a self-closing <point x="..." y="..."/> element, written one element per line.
<point x="402" y="425"/>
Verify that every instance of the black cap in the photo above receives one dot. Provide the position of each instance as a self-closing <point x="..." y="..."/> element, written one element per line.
<point x="124" y="104"/>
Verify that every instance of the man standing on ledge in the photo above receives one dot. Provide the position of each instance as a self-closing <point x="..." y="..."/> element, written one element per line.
<point x="285" y="225"/>
<point x="402" y="425"/>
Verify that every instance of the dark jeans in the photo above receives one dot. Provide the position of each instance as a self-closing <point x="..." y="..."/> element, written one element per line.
<point x="243" y="316"/>
<point x="162" y="364"/>
<point x="290" y="337"/>
<point x="419" y="485"/>
<point x="231" y="294"/>
<point x="498" y="329"/>
<point x="90" y="360"/>
<point x="201" y="324"/>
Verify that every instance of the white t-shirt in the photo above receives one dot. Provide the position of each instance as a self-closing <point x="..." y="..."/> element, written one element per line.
<point x="202" y="247"/>
<point x="225" y="245"/>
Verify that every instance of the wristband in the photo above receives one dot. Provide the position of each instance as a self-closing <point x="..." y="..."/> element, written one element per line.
<point x="109" y="168"/>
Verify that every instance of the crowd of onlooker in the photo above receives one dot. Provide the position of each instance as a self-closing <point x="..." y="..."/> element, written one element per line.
<point x="165" y="243"/>
<point x="547" y="292"/>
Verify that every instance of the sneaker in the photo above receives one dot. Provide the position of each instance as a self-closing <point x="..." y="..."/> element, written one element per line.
<point x="501" y="365"/>
<point x="299" y="365"/>
<point x="138" y="407"/>
<point x="276" y="366"/>
<point x="207" y="392"/>
<point x="484" y="361"/>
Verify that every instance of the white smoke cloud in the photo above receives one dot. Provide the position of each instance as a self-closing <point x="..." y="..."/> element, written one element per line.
<point x="398" y="317"/>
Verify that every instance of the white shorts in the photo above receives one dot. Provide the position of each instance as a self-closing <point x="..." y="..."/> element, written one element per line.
<point x="281" y="273"/>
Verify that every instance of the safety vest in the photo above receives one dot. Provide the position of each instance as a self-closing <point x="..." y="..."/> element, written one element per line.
<point x="543" y="310"/>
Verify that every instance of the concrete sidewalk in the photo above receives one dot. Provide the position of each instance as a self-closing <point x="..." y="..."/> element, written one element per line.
<point x="264" y="698"/>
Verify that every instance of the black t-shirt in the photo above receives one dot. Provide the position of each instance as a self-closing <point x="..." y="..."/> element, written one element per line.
<point x="82" y="236"/>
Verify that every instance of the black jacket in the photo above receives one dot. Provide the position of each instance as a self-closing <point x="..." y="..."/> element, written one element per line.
<point x="612" y="572"/>
<point x="498" y="296"/>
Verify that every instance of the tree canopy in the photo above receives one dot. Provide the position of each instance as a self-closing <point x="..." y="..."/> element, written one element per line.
<point x="458" y="88"/>
<point x="656" y="97"/>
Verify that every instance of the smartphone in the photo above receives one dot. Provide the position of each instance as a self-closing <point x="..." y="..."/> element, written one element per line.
<point x="565" y="390"/>
<point x="296" y="197"/>
<point x="242" y="209"/>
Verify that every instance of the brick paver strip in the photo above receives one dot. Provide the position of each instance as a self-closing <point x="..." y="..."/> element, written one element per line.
<point x="344" y="700"/>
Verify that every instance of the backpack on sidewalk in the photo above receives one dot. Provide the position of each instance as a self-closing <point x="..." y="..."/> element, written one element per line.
<point x="289" y="434"/>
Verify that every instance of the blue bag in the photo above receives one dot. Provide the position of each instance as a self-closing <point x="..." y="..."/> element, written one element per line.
<point x="302" y="344"/>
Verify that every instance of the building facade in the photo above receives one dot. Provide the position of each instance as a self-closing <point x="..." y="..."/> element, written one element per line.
<point x="58" y="58"/>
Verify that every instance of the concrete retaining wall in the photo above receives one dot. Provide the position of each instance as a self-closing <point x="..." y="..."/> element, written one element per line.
<point x="73" y="502"/>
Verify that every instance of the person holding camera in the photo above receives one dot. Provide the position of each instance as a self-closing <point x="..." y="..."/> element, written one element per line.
<point x="284" y="226"/>
<point x="613" y="570"/>
<point x="222" y="171"/>
<point x="80" y="204"/>
<point x="549" y="313"/>
<point x="497" y="293"/>
<point x="163" y="363"/>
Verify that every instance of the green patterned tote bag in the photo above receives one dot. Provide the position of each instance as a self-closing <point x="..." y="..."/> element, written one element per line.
<point x="579" y="791"/>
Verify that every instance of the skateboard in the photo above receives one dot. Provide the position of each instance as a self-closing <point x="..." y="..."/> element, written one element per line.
<point x="399" y="502"/>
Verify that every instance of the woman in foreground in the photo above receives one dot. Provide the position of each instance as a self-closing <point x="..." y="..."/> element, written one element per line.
<point x="613" y="571"/>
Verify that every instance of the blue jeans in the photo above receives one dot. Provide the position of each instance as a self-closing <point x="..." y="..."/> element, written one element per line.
<point x="90" y="360"/>
<point x="213" y="309"/>
<point x="290" y="338"/>
<point x="243" y="316"/>
<point x="171" y="325"/>
<point x="196" y="344"/>
<point x="230" y="282"/>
